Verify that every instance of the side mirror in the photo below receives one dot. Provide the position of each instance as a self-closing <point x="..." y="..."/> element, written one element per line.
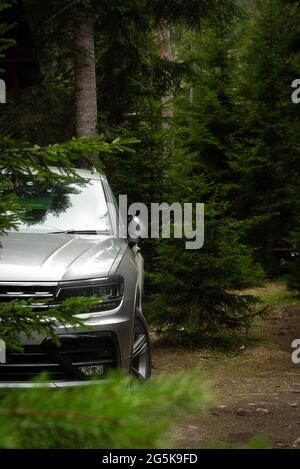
<point x="136" y="230"/>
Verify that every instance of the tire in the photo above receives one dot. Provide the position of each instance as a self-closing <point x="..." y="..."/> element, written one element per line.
<point x="141" y="359"/>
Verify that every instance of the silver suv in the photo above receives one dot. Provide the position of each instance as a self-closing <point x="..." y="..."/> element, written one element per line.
<point x="69" y="246"/>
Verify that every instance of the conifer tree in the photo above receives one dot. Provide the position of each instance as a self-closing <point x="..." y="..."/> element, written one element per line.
<point x="195" y="294"/>
<point x="267" y="147"/>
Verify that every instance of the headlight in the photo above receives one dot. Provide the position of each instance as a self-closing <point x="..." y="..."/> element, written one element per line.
<point x="110" y="290"/>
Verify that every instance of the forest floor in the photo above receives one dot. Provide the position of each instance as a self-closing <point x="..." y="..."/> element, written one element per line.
<point x="257" y="386"/>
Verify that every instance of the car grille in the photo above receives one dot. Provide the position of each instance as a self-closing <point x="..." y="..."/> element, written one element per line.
<point x="42" y="294"/>
<point x="74" y="360"/>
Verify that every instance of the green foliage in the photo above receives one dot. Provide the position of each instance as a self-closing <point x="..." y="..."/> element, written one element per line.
<point x="41" y="114"/>
<point x="193" y="295"/>
<point x="65" y="155"/>
<point x="257" y="442"/>
<point x="267" y="144"/>
<point x="193" y="12"/>
<point x="127" y="61"/>
<point x="20" y="317"/>
<point x="194" y="288"/>
<point x="5" y="42"/>
<point x="118" y="413"/>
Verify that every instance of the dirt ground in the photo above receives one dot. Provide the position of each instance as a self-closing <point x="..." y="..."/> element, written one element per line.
<point x="257" y="387"/>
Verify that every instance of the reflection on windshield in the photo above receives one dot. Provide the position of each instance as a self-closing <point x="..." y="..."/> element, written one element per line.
<point x="62" y="206"/>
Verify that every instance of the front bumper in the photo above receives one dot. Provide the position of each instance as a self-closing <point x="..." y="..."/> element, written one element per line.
<point x="85" y="355"/>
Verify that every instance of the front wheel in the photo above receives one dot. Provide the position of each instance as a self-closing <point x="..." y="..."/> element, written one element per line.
<point x="141" y="361"/>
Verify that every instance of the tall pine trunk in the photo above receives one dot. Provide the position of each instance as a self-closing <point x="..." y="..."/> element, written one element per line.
<point x="164" y="39"/>
<point x="165" y="47"/>
<point x="84" y="74"/>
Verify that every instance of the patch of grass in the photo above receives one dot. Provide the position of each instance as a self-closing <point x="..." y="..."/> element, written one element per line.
<point x="274" y="293"/>
<point x="257" y="442"/>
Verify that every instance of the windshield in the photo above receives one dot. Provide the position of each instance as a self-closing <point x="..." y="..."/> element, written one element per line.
<point x="62" y="206"/>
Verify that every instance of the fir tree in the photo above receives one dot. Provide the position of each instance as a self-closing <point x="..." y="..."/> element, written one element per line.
<point x="195" y="294"/>
<point x="267" y="147"/>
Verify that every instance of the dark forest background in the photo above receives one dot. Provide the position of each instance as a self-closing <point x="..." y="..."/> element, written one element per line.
<point x="176" y="101"/>
<point x="204" y="90"/>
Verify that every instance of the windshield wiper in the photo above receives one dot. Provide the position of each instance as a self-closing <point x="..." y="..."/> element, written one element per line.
<point x="87" y="232"/>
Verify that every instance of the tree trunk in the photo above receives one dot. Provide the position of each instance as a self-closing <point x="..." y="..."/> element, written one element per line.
<point x="164" y="38"/>
<point x="85" y="75"/>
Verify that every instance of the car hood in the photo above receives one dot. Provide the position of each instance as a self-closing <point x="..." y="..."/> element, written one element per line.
<point x="26" y="257"/>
